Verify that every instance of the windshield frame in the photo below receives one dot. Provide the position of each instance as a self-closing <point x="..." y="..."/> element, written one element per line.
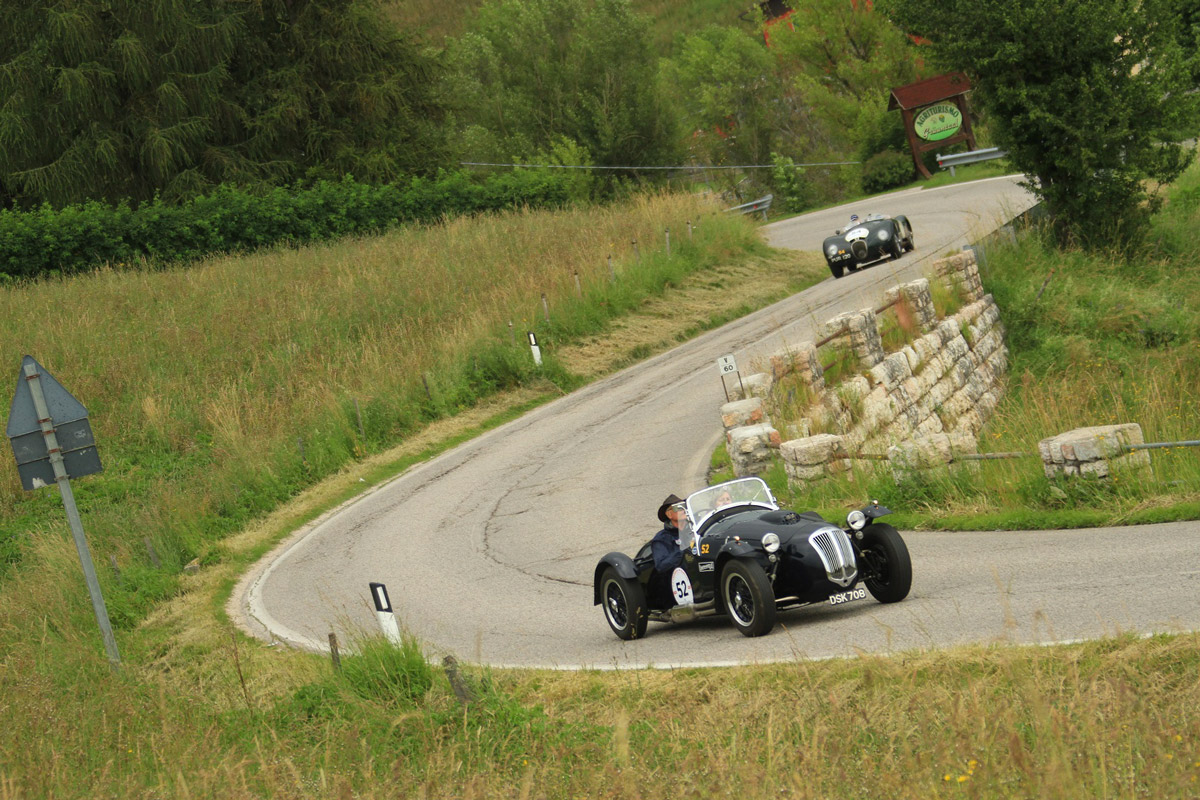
<point x="746" y="493"/>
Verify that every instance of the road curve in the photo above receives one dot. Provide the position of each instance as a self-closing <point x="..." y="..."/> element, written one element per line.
<point x="488" y="550"/>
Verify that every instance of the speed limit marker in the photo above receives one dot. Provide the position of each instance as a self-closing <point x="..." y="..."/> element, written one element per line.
<point x="725" y="366"/>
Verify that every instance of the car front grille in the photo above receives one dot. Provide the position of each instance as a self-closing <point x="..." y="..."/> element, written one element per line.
<point x="833" y="546"/>
<point x="859" y="249"/>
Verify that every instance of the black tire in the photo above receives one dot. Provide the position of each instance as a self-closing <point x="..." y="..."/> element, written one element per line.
<point x="887" y="556"/>
<point x="837" y="269"/>
<point x="624" y="603"/>
<point x="894" y="246"/>
<point x="748" y="597"/>
<point x="907" y="240"/>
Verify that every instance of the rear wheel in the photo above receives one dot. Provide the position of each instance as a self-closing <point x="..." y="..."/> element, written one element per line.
<point x="748" y="597"/>
<point x="889" y="562"/>
<point x="624" y="605"/>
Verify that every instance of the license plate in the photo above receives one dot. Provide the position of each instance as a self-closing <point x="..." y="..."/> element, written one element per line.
<point x="846" y="597"/>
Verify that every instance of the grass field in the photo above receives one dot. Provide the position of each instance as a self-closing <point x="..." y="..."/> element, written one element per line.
<point x="200" y="710"/>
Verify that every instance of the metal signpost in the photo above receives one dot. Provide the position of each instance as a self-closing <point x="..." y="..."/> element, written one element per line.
<point x="52" y="441"/>
<point x="726" y="365"/>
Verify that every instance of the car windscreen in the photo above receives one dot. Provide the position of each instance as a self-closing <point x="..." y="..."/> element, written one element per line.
<point x="748" y="492"/>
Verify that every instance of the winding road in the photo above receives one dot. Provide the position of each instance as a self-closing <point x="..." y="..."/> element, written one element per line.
<point x="488" y="550"/>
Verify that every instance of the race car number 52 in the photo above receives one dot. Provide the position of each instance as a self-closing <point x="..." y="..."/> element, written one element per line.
<point x="845" y="597"/>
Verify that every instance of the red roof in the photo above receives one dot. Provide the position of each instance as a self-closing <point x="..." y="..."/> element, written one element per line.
<point x="930" y="90"/>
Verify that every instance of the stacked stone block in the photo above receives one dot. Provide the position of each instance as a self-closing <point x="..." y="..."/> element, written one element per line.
<point x="858" y="330"/>
<point x="918" y="298"/>
<point x="961" y="270"/>
<point x="1098" y="451"/>
<point x="750" y="448"/>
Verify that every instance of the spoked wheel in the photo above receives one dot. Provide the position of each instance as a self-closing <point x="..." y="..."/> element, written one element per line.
<point x="889" y="562"/>
<point x="624" y="605"/>
<point x="748" y="597"/>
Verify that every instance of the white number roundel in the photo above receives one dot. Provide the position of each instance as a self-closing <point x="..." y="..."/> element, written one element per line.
<point x="681" y="587"/>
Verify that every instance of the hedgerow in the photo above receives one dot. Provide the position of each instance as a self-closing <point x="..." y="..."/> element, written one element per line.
<point x="48" y="241"/>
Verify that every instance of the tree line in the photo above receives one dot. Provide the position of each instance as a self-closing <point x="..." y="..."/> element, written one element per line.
<point x="124" y="101"/>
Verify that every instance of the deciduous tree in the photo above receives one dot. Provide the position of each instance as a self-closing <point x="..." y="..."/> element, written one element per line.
<point x="1085" y="95"/>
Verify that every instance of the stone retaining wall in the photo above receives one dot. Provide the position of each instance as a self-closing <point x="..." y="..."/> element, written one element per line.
<point x="946" y="382"/>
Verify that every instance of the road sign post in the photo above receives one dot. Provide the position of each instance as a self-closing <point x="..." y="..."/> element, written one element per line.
<point x="41" y="402"/>
<point x="726" y="365"/>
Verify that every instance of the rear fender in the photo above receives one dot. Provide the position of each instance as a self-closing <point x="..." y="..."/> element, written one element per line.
<point x="622" y="563"/>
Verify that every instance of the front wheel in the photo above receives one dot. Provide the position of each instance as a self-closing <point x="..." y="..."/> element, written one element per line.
<point x="748" y="597"/>
<point x="624" y="605"/>
<point x="837" y="269"/>
<point x="889" y="562"/>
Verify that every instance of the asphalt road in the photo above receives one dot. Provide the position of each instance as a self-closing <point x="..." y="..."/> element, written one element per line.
<point x="488" y="550"/>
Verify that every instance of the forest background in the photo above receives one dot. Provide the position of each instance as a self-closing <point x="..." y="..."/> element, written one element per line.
<point x="124" y="102"/>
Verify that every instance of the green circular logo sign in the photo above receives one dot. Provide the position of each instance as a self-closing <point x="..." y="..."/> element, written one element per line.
<point x="938" y="122"/>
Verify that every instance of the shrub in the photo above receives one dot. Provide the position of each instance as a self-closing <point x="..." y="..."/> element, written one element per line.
<point x="887" y="170"/>
<point x="46" y="241"/>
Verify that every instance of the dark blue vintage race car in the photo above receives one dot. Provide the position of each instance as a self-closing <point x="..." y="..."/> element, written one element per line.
<point x="867" y="240"/>
<point x="745" y="557"/>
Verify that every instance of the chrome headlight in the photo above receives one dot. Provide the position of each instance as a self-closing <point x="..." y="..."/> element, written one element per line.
<point x="884" y="233"/>
<point x="770" y="542"/>
<point x="831" y="250"/>
<point x="857" y="520"/>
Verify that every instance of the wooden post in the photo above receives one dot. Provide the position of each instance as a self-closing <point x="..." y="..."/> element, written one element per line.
<point x="333" y="651"/>
<point x="459" y="684"/>
<point x="150" y="551"/>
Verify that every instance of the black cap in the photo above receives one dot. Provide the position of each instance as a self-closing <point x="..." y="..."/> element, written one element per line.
<point x="670" y="501"/>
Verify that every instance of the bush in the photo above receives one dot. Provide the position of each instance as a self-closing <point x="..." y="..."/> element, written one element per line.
<point x="887" y="170"/>
<point x="47" y="241"/>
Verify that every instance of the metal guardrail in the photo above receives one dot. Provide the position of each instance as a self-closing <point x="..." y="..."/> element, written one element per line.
<point x="761" y="204"/>
<point x="1129" y="448"/>
<point x="970" y="157"/>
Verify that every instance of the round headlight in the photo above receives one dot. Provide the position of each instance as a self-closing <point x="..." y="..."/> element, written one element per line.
<point x="770" y="542"/>
<point x="832" y="250"/>
<point x="884" y="233"/>
<point x="857" y="520"/>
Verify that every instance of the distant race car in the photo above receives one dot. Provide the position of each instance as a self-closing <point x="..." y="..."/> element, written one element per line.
<point x="745" y="557"/>
<point x="867" y="240"/>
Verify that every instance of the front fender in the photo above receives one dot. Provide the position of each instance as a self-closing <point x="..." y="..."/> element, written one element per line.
<point x="742" y="551"/>
<point x="622" y="563"/>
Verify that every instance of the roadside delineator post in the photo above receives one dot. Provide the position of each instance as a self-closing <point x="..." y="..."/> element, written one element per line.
<point x="533" y="347"/>
<point x="383" y="612"/>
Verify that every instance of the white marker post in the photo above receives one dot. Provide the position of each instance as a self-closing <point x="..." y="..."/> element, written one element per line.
<point x="725" y="366"/>
<point x="533" y="346"/>
<point x="383" y="610"/>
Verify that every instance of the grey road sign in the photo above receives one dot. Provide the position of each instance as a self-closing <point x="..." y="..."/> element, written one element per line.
<point x="43" y="409"/>
<point x="71" y="426"/>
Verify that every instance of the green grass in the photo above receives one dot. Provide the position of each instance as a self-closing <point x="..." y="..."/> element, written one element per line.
<point x="200" y="710"/>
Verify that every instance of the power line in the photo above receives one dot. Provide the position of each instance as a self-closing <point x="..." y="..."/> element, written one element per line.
<point x="693" y="167"/>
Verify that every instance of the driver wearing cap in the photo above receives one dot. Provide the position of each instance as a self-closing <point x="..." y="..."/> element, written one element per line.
<point x="665" y="544"/>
